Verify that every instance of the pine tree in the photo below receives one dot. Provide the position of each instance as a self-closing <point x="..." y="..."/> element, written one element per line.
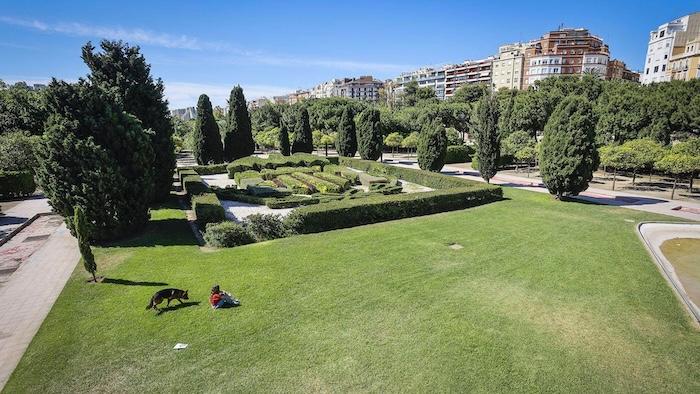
<point x="207" y="140"/>
<point x="369" y="134"/>
<point x="568" y="153"/>
<point x="487" y="140"/>
<point x="283" y="139"/>
<point x="123" y="70"/>
<point x="82" y="233"/>
<point x="95" y="155"/>
<point x="346" y="141"/>
<point x="432" y="147"/>
<point x="238" y="136"/>
<point x="303" y="139"/>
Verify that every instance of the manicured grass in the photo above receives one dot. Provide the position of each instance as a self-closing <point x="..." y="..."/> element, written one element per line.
<point x="544" y="296"/>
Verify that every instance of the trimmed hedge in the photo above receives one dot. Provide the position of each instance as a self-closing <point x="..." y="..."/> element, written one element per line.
<point x="182" y="173"/>
<point x="266" y="227"/>
<point x="458" y="154"/>
<point x="209" y="169"/>
<point x="16" y="184"/>
<point x="352" y="176"/>
<point x="273" y="173"/>
<point x="367" y="179"/>
<point x="248" y="174"/>
<point x="338" y="180"/>
<point x="295" y="185"/>
<point x="321" y="185"/>
<point x="207" y="209"/>
<point x="227" y="235"/>
<point x="280" y="200"/>
<point x="274" y="161"/>
<point x="193" y="185"/>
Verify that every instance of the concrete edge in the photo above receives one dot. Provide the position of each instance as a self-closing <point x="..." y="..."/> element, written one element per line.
<point x="23" y="226"/>
<point x="678" y="289"/>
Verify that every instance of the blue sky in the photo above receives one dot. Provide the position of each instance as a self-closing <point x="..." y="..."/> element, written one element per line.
<point x="272" y="47"/>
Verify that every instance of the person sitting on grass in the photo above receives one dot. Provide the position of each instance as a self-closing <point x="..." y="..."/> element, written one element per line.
<point x="222" y="299"/>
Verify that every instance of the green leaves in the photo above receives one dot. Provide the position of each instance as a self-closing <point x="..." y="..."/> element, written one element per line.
<point x="346" y="141"/>
<point x="432" y="148"/>
<point x="369" y="134"/>
<point x="238" y="135"/>
<point x="207" y="146"/>
<point x="303" y="139"/>
<point x="488" y="141"/>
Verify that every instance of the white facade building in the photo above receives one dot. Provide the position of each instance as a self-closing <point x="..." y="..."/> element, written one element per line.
<point x="507" y="71"/>
<point x="662" y="43"/>
<point x="425" y="77"/>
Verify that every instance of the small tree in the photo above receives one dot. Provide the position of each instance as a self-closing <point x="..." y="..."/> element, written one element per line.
<point x="207" y="140"/>
<point x="327" y="139"/>
<point x="432" y="147"/>
<point x="677" y="165"/>
<point x="527" y="155"/>
<point x="82" y="233"/>
<point x="641" y="154"/>
<point x="568" y="155"/>
<point x="393" y="141"/>
<point x="238" y="135"/>
<point x="284" y="139"/>
<point x="346" y="142"/>
<point x="369" y="134"/>
<point x="303" y="139"/>
<point x="488" y="145"/>
<point x="614" y="156"/>
<point x="410" y="142"/>
<point x="690" y="147"/>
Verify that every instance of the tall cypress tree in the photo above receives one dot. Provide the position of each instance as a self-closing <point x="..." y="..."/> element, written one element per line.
<point x="238" y="136"/>
<point x="370" y="139"/>
<point x="487" y="139"/>
<point x="568" y="153"/>
<point x="81" y="232"/>
<point x="303" y="139"/>
<point x="122" y="70"/>
<point x="346" y="141"/>
<point x="432" y="147"/>
<point x="207" y="140"/>
<point x="284" y="139"/>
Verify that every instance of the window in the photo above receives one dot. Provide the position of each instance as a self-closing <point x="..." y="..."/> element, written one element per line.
<point x="665" y="57"/>
<point x="663" y="68"/>
<point x="647" y="71"/>
<point x="662" y="33"/>
<point x="656" y="69"/>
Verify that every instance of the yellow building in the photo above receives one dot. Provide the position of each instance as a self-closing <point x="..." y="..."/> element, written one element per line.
<point x="685" y="61"/>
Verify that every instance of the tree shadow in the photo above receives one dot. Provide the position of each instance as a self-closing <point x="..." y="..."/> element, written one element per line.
<point x="126" y="282"/>
<point x="177" y="306"/>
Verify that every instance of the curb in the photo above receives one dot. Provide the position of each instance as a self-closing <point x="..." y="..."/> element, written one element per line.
<point x="22" y="226"/>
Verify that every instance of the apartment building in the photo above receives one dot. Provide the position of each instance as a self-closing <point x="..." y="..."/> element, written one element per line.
<point x="685" y="65"/>
<point x="184" y="113"/>
<point x="666" y="41"/>
<point x="471" y="71"/>
<point x="425" y="77"/>
<point x="259" y="102"/>
<point x="508" y="66"/>
<point x="617" y="69"/>
<point x="364" y="88"/>
<point x="565" y="52"/>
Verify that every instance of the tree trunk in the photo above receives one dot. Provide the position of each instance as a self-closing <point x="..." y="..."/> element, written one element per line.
<point x="326" y="150"/>
<point x="650" y="171"/>
<point x="673" y="191"/>
<point x="528" y="170"/>
<point x="634" y="177"/>
<point x="614" y="178"/>
<point x="94" y="278"/>
<point x="690" y="185"/>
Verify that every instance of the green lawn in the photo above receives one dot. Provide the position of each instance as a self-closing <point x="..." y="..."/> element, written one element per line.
<point x="544" y="294"/>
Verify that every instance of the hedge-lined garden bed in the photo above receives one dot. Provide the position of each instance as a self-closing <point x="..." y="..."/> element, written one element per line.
<point x="16" y="184"/>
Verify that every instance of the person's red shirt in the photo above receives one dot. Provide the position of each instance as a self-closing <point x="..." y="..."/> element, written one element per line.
<point x="214" y="299"/>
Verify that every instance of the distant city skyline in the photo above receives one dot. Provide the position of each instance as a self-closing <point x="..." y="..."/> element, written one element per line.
<point x="274" y="48"/>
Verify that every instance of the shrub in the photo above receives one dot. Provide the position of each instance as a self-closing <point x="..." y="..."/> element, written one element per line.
<point x="352" y="176"/>
<point x="16" y="184"/>
<point x="321" y="185"/>
<point x="272" y="174"/>
<point x="368" y="180"/>
<point x="308" y="159"/>
<point x="432" y="146"/>
<point x="193" y="185"/>
<point x="248" y="174"/>
<point x="210" y="169"/>
<point x="266" y="227"/>
<point x="291" y="202"/>
<point x="344" y="183"/>
<point x="18" y="151"/>
<point x="182" y="173"/>
<point x="227" y="235"/>
<point x="207" y="209"/>
<point x="458" y="154"/>
<point x="294" y="184"/>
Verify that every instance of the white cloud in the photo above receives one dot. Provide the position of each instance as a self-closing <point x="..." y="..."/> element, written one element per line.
<point x="186" y="94"/>
<point x="165" y="40"/>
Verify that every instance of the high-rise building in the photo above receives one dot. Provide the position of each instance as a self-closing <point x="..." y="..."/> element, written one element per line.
<point x="508" y="67"/>
<point x="666" y="41"/>
<point x="471" y="71"/>
<point x="686" y="65"/>
<point x="425" y="77"/>
<point x="617" y="69"/>
<point x="565" y="52"/>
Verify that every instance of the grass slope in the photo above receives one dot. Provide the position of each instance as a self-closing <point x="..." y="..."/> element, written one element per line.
<point x="544" y="294"/>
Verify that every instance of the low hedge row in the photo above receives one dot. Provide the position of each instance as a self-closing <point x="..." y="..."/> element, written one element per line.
<point x="183" y="172"/>
<point x="319" y="184"/>
<point x="294" y="184"/>
<point x="16" y="184"/>
<point x="227" y="235"/>
<point x="248" y="174"/>
<point x="345" y="172"/>
<point x="193" y="185"/>
<point x="458" y="154"/>
<point x="275" y="201"/>
<point x="358" y="212"/>
<point x="268" y="173"/>
<point x="207" y="209"/>
<point x="209" y="169"/>
<point x="338" y="180"/>
<point x="275" y="161"/>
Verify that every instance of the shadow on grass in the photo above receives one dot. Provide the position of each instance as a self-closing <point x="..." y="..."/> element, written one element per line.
<point x="176" y="307"/>
<point x="126" y="282"/>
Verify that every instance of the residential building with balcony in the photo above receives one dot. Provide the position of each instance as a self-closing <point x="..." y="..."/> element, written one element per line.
<point x="565" y="52"/>
<point x="666" y="41"/>
<point x="471" y="71"/>
<point x="425" y="77"/>
<point x="364" y="88"/>
<point x="508" y="66"/>
<point x="617" y="69"/>
<point x="685" y="65"/>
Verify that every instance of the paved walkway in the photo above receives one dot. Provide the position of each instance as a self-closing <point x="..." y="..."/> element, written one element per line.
<point x="681" y="209"/>
<point x="14" y="213"/>
<point x="45" y="272"/>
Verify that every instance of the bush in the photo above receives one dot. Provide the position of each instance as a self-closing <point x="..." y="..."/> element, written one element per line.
<point x="432" y="147"/>
<point x="210" y="169"/>
<point x="18" y="151"/>
<point x="16" y="184"/>
<point x="227" y="235"/>
<point x="294" y="184"/>
<point x="183" y="173"/>
<point x="344" y="183"/>
<point x="266" y="227"/>
<point x="291" y="202"/>
<point x="193" y="185"/>
<point x="248" y="174"/>
<point x="352" y="176"/>
<point x="308" y="159"/>
<point x="368" y="180"/>
<point x="207" y="209"/>
<point x="272" y="174"/>
<point x="458" y="154"/>
<point x="318" y="184"/>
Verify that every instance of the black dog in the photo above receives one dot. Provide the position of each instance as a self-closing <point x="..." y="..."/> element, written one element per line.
<point x="167" y="294"/>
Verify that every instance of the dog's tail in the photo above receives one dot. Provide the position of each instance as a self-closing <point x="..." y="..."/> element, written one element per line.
<point x="150" y="304"/>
